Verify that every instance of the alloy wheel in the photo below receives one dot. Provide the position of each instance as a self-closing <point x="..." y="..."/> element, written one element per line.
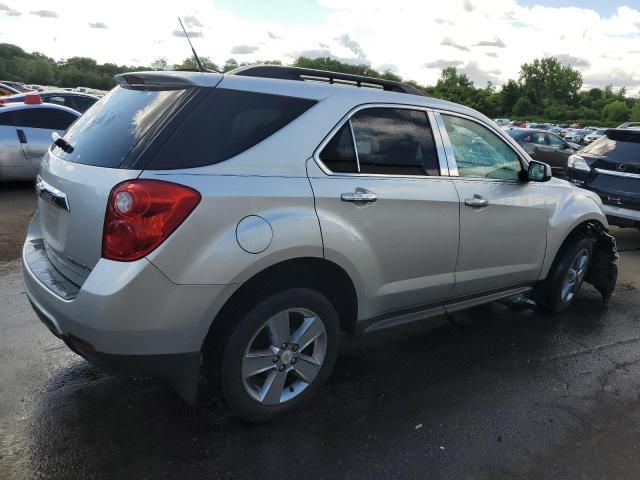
<point x="575" y="275"/>
<point x="284" y="356"/>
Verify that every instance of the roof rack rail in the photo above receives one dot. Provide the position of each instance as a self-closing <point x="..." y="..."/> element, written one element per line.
<point x="310" y="74"/>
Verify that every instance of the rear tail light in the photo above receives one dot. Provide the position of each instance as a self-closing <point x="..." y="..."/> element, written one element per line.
<point x="141" y="214"/>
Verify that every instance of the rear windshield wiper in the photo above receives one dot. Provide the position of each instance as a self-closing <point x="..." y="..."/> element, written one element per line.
<point x="61" y="143"/>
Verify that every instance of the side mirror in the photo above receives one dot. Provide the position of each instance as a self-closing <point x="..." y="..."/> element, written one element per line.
<point x="538" y="172"/>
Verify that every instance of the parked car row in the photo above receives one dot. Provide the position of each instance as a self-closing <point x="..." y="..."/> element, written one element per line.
<point x="80" y="102"/>
<point x="19" y="87"/>
<point x="574" y="133"/>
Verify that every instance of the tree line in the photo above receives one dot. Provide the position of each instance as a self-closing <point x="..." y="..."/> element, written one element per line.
<point x="545" y="90"/>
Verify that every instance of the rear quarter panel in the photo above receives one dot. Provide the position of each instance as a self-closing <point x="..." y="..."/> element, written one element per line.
<point x="205" y="250"/>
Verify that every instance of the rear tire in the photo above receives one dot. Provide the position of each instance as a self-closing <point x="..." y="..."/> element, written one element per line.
<point x="570" y="268"/>
<point x="279" y="354"/>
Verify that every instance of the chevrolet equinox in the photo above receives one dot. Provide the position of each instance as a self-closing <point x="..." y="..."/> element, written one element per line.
<point x="241" y="222"/>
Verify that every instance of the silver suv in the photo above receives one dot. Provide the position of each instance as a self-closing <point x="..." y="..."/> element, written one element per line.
<point x="242" y="221"/>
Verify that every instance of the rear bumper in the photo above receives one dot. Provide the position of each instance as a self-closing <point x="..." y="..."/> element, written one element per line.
<point x="127" y="316"/>
<point x="171" y="366"/>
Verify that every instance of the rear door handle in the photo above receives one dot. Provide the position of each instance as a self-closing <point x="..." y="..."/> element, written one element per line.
<point x="478" y="201"/>
<point x="21" y="136"/>
<point x="359" y="196"/>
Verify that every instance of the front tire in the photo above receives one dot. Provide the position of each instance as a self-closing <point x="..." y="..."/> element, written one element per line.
<point x="559" y="290"/>
<point x="279" y="354"/>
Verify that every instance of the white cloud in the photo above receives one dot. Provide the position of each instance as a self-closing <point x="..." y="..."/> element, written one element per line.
<point x="405" y="33"/>
<point x="243" y="49"/>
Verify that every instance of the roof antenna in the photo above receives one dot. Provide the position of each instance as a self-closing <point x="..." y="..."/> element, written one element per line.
<point x="195" y="55"/>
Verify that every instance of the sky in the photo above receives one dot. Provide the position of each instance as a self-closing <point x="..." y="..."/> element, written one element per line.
<point x="486" y="39"/>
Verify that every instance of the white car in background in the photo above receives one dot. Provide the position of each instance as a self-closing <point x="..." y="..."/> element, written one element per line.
<point x="25" y="136"/>
<point x="594" y="135"/>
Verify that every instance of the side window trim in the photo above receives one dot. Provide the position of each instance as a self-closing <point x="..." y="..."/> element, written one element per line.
<point x="451" y="159"/>
<point x="445" y="168"/>
<point x="355" y="146"/>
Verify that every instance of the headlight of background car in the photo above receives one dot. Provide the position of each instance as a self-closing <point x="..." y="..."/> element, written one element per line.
<point x="578" y="163"/>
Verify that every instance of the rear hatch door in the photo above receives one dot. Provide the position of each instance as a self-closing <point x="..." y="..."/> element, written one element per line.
<point x="76" y="179"/>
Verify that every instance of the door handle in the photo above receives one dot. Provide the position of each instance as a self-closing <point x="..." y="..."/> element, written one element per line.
<point x="359" y="196"/>
<point x="21" y="136"/>
<point x="478" y="201"/>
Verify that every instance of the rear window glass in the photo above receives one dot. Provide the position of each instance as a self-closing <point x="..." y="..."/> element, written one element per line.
<point x="109" y="130"/>
<point x="616" y="146"/>
<point x="224" y="124"/>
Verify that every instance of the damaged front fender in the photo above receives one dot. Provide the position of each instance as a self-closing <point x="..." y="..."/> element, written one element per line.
<point x="603" y="272"/>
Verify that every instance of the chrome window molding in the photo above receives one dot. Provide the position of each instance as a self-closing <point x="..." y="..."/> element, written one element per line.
<point x="445" y="167"/>
<point x="355" y="147"/>
<point x="442" y="162"/>
<point x="446" y="145"/>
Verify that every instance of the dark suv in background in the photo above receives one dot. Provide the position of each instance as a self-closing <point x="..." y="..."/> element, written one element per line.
<point x="610" y="166"/>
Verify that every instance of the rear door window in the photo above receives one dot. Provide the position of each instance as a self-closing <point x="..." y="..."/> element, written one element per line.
<point x="104" y="136"/>
<point x="394" y="141"/>
<point x="389" y="141"/>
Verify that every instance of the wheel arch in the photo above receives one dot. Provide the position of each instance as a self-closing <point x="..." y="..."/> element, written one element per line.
<point x="310" y="272"/>
<point x="586" y="227"/>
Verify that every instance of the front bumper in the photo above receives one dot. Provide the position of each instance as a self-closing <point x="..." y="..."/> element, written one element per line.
<point x="621" y="216"/>
<point x="127" y="317"/>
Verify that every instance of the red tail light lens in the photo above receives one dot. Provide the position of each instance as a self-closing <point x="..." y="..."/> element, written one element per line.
<point x="141" y="214"/>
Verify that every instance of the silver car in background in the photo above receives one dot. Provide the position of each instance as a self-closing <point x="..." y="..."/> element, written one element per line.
<point x="240" y="222"/>
<point x="25" y="136"/>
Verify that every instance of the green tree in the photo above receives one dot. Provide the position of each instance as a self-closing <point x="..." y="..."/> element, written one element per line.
<point x="190" y="64"/>
<point x="635" y="113"/>
<point x="160" y="64"/>
<point x="617" y="111"/>
<point x="509" y="95"/>
<point x="230" y="64"/>
<point x="523" y="107"/>
<point x="455" y="86"/>
<point x="546" y="81"/>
